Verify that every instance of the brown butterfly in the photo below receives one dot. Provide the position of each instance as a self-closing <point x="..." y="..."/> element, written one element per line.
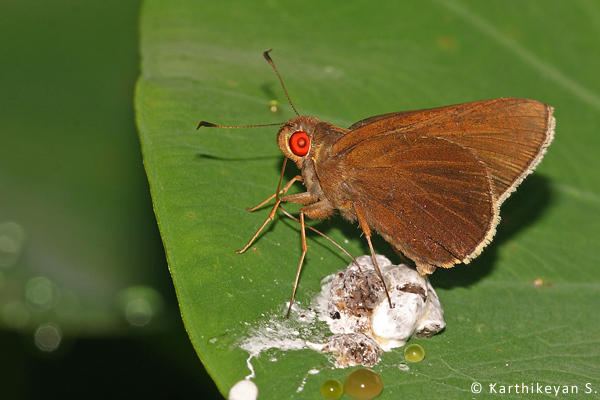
<point x="430" y="182"/>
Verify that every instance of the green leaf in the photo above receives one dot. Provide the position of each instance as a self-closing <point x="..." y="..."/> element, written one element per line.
<point x="341" y="62"/>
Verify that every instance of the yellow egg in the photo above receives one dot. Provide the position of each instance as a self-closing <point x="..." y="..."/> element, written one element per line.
<point x="363" y="384"/>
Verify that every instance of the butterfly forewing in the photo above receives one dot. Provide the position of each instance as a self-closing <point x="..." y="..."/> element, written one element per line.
<point x="508" y="135"/>
<point x="431" y="181"/>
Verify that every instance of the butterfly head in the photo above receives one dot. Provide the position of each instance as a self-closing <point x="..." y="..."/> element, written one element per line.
<point x="295" y="138"/>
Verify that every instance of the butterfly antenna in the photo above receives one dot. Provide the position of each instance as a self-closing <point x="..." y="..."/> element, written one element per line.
<point x="270" y="61"/>
<point x="211" y="125"/>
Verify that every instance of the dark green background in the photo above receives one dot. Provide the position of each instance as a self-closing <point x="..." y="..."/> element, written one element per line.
<point x="71" y="175"/>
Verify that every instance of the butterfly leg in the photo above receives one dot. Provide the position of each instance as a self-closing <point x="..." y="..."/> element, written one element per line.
<point x="324" y="235"/>
<point x="314" y="209"/>
<point x="271" y="216"/>
<point x="304" y="250"/>
<point x="362" y="221"/>
<point x="283" y="190"/>
<point x="269" y="219"/>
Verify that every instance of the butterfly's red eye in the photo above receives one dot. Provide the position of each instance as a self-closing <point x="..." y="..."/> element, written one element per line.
<point x="299" y="143"/>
